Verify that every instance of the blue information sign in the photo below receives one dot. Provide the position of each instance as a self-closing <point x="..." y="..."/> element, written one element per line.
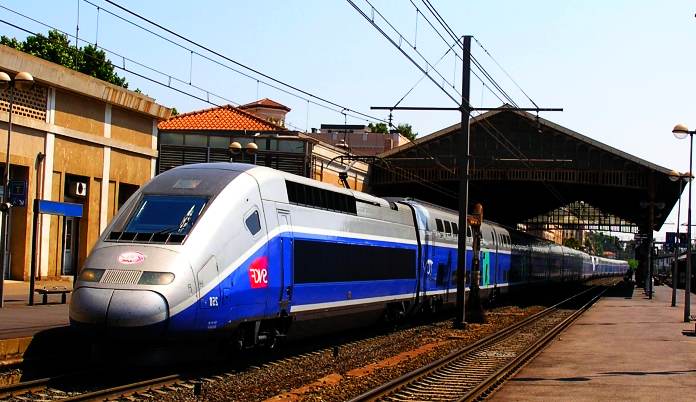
<point x="59" y="208"/>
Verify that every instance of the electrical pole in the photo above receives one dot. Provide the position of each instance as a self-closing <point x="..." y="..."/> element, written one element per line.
<point x="462" y="145"/>
<point x="463" y="170"/>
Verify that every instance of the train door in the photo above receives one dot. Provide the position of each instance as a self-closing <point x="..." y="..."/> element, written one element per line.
<point x="493" y="259"/>
<point x="428" y="260"/>
<point x="286" y="259"/>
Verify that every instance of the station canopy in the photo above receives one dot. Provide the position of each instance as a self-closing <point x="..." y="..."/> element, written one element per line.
<point x="529" y="171"/>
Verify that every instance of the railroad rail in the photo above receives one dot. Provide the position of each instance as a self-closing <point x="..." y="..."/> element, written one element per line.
<point x="42" y="390"/>
<point x="475" y="371"/>
<point x="74" y="387"/>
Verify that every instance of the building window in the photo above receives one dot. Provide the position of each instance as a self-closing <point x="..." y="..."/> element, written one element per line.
<point x="196" y="140"/>
<point x="172" y="138"/>
<point x="219" y="142"/>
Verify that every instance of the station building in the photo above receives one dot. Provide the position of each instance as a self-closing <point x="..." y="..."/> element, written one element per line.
<point x="359" y="138"/>
<point x="205" y="136"/>
<point x="75" y="139"/>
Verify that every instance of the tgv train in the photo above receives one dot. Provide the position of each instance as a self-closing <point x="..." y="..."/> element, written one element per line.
<point x="220" y="247"/>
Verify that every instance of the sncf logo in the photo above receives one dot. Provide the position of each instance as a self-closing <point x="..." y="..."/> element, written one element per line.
<point x="258" y="273"/>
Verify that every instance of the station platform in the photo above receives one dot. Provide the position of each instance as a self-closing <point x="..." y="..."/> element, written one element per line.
<point x="624" y="348"/>
<point x="20" y="323"/>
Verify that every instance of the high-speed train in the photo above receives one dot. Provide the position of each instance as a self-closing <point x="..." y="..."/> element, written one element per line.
<point x="252" y="252"/>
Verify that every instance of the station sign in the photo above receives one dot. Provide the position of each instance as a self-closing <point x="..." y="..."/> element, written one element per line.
<point x="17" y="194"/>
<point x="672" y="240"/>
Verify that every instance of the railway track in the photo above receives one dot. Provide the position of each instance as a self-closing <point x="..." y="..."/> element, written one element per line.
<point x="42" y="390"/>
<point x="75" y="387"/>
<point x="475" y="371"/>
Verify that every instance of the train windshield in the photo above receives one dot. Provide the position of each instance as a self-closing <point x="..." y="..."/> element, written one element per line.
<point x="162" y="214"/>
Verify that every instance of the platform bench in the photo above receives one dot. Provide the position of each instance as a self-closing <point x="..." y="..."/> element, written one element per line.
<point x="62" y="291"/>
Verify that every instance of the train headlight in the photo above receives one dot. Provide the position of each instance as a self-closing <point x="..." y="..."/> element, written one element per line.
<point x="91" y="275"/>
<point x="156" y="278"/>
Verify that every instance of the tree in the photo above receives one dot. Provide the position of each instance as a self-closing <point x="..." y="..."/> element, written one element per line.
<point x="406" y="130"/>
<point x="572" y="243"/>
<point x="56" y="48"/>
<point x="378" y="128"/>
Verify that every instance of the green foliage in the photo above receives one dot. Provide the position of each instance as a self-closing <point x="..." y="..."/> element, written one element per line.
<point x="633" y="264"/>
<point x="573" y="243"/>
<point x="56" y="48"/>
<point x="174" y="112"/>
<point x="406" y="130"/>
<point x="378" y="128"/>
<point x="10" y="42"/>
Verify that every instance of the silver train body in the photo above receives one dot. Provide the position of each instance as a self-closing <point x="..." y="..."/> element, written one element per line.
<point x="232" y="248"/>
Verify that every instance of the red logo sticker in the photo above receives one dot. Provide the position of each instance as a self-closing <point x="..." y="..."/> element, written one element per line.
<point x="258" y="273"/>
<point x="131" y="257"/>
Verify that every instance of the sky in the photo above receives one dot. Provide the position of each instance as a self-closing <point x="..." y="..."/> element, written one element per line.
<point x="623" y="71"/>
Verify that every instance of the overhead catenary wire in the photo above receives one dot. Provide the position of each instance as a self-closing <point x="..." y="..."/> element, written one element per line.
<point x="229" y="59"/>
<point x="450" y="32"/>
<point x="118" y="55"/>
<point x="505" y="72"/>
<point x="490" y="129"/>
<point x="135" y="73"/>
<point x="169" y="77"/>
<point x="393" y="42"/>
<point x="411" y="175"/>
<point x="357" y="115"/>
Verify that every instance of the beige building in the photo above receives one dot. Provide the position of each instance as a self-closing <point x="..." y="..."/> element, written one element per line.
<point x="358" y="138"/>
<point x="205" y="136"/>
<point x="74" y="139"/>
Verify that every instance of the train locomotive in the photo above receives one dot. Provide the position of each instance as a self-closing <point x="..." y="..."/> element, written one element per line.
<point x="252" y="253"/>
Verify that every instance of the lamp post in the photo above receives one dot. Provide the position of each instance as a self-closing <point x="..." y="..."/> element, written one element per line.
<point x="676" y="176"/>
<point x="21" y="81"/>
<point x="681" y="131"/>
<point x="235" y="148"/>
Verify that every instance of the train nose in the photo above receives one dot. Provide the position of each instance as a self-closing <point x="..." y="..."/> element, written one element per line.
<point x="118" y="308"/>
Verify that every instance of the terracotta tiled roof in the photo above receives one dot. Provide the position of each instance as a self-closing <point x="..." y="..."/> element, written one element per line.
<point x="225" y="118"/>
<point x="265" y="102"/>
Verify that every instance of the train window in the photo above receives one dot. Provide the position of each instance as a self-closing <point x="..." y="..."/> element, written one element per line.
<point x="455" y="228"/>
<point x="440" y="227"/>
<point x="448" y="227"/>
<point x="468" y="231"/>
<point x="315" y="197"/>
<point x="253" y="223"/>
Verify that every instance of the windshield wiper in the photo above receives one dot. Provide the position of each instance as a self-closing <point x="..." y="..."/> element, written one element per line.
<point x="168" y="229"/>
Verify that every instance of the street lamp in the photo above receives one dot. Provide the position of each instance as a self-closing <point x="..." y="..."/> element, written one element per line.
<point x="22" y="81"/>
<point x="681" y="131"/>
<point x="676" y="176"/>
<point x="250" y="148"/>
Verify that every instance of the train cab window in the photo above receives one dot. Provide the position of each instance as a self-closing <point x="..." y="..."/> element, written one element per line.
<point x="253" y="223"/>
<point x="455" y="229"/>
<point x="440" y="227"/>
<point x="448" y="227"/>
<point x="162" y="214"/>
